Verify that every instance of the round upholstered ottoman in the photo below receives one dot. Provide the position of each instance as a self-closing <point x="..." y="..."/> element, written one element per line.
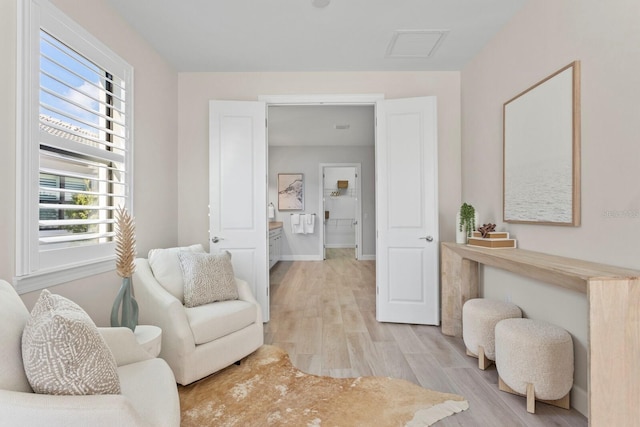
<point x="479" y="319"/>
<point x="535" y="359"/>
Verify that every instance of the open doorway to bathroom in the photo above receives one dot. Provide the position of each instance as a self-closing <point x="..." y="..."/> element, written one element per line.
<point x="341" y="206"/>
<point x="303" y="139"/>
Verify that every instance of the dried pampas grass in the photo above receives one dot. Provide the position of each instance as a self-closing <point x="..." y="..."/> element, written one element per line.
<point x="125" y="243"/>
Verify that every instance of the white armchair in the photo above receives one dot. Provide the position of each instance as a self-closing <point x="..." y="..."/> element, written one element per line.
<point x="149" y="394"/>
<point x="197" y="341"/>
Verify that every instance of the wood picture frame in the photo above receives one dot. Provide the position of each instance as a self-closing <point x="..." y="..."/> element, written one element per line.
<point x="541" y="151"/>
<point x="290" y="191"/>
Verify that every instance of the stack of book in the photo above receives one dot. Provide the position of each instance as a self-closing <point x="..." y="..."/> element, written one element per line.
<point x="494" y="239"/>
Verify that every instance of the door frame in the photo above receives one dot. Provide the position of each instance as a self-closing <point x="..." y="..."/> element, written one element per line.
<point x="368" y="99"/>
<point x="358" y="213"/>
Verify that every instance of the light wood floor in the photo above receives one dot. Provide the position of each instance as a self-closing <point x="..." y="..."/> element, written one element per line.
<point x="323" y="314"/>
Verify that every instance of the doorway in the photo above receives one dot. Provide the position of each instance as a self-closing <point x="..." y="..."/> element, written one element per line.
<point x="406" y="227"/>
<point x="304" y="139"/>
<point x="341" y="201"/>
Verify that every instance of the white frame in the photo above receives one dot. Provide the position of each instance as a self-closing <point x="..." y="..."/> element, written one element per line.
<point x="321" y="99"/>
<point x="358" y="216"/>
<point x="32" y="271"/>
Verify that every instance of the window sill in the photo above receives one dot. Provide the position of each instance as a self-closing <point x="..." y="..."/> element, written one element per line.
<point x="45" y="279"/>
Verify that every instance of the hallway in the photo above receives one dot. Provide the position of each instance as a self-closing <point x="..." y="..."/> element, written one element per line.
<point x="323" y="314"/>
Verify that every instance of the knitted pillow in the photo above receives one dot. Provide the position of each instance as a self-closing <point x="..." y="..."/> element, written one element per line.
<point x="63" y="352"/>
<point x="166" y="268"/>
<point x="207" y="278"/>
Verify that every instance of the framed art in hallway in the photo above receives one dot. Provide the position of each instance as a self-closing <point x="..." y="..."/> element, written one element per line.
<point x="290" y="191"/>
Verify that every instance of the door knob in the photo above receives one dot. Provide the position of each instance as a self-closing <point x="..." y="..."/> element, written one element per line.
<point x="216" y="239"/>
<point x="427" y="238"/>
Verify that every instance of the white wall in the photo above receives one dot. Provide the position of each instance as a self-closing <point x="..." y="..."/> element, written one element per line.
<point x="196" y="89"/>
<point x="542" y="38"/>
<point x="155" y="135"/>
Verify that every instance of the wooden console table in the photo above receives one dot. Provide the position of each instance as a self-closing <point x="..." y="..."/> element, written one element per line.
<point x="613" y="296"/>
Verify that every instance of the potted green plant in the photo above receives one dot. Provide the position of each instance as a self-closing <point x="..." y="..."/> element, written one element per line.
<point x="466" y="222"/>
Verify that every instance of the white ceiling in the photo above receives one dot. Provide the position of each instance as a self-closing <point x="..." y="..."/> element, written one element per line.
<point x="293" y="35"/>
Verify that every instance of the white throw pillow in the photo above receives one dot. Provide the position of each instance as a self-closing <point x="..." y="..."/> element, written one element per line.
<point x="207" y="278"/>
<point x="63" y="352"/>
<point x="166" y="268"/>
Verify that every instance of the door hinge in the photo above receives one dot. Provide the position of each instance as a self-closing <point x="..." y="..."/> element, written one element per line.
<point x="266" y="123"/>
<point x="377" y="290"/>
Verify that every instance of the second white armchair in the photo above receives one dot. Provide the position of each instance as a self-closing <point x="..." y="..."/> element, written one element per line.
<point x="201" y="340"/>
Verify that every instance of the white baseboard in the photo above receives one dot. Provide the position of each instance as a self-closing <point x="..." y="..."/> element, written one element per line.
<point x="368" y="258"/>
<point x="340" y="246"/>
<point x="580" y="400"/>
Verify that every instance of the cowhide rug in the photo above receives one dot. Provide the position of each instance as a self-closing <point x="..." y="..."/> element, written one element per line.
<point x="267" y="390"/>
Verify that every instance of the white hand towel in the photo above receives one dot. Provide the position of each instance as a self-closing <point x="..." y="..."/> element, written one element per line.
<point x="309" y="224"/>
<point x="297" y="226"/>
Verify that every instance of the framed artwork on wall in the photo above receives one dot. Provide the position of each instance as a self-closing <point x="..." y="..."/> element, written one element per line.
<point x="541" y="169"/>
<point x="290" y="191"/>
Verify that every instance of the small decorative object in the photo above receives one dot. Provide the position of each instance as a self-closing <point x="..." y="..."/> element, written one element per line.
<point x="486" y="229"/>
<point x="492" y="242"/>
<point x="487" y="237"/>
<point x="125" y="266"/>
<point x="491" y="235"/>
<point x="466" y="222"/>
<point x="343" y="184"/>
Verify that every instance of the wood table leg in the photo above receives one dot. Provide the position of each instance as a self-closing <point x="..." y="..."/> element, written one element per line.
<point x="459" y="284"/>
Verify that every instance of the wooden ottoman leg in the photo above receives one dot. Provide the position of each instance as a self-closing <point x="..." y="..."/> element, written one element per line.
<point x="531" y="399"/>
<point x="483" y="362"/>
<point x="563" y="402"/>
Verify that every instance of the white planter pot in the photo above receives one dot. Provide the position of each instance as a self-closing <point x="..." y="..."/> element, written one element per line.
<point x="461" y="236"/>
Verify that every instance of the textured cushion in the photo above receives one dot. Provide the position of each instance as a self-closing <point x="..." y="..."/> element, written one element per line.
<point x="536" y="352"/>
<point x="63" y="352"/>
<point x="479" y="319"/>
<point x="166" y="268"/>
<point x="207" y="278"/>
<point x="13" y="317"/>
<point x="212" y="321"/>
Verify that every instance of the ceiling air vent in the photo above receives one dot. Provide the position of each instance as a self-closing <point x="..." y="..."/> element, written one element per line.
<point x="415" y="43"/>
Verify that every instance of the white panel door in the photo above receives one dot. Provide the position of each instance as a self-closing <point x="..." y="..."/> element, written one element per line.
<point x="238" y="191"/>
<point x="407" y="211"/>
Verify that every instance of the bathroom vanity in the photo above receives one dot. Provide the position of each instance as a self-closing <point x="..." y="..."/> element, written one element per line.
<point x="275" y="242"/>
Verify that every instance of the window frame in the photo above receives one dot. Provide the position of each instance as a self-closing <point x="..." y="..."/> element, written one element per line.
<point x="37" y="269"/>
